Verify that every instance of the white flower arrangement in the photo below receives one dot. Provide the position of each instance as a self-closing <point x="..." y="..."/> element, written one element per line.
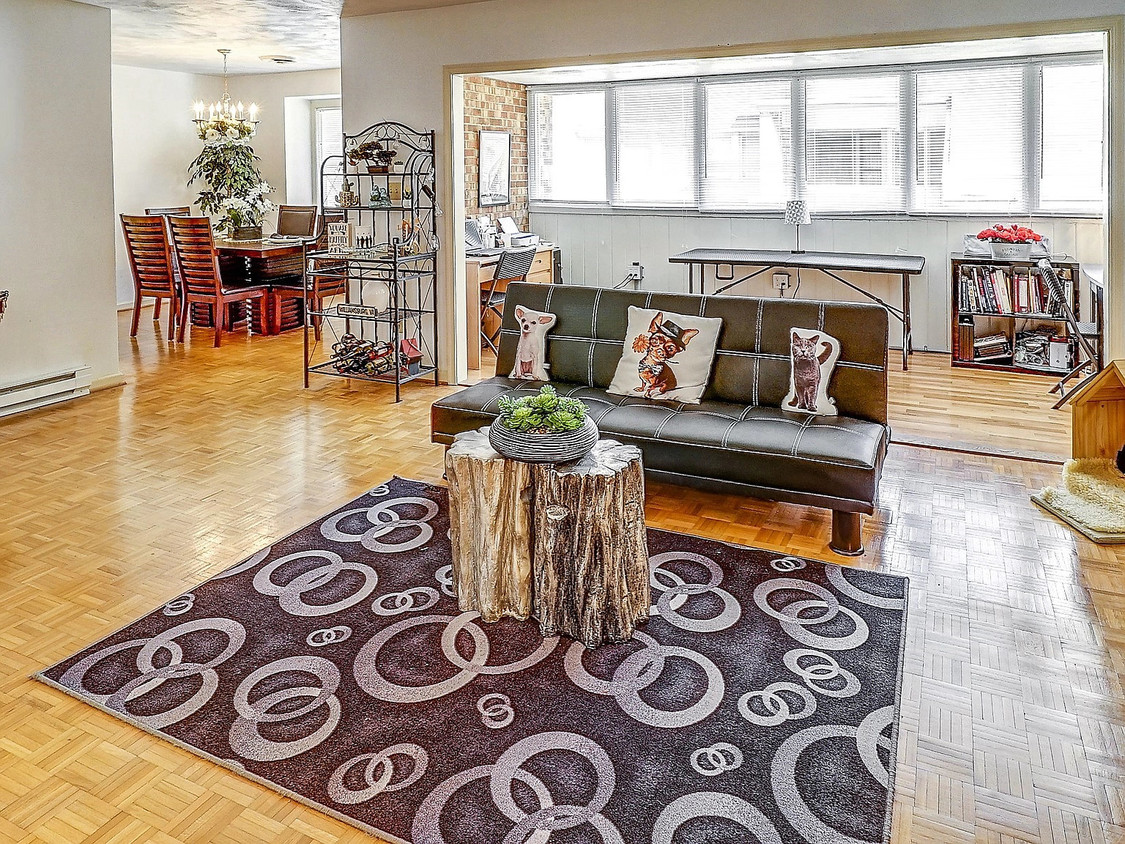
<point x="235" y="195"/>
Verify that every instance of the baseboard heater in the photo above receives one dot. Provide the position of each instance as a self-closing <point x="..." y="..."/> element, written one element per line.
<point x="42" y="390"/>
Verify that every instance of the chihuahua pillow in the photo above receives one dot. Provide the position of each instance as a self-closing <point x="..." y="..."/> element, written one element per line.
<point x="666" y="356"/>
<point x="812" y="358"/>
<point x="531" y="351"/>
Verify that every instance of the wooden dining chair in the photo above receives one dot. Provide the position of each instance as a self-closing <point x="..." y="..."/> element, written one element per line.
<point x="298" y="220"/>
<point x="150" y="261"/>
<point x="166" y="212"/>
<point x="330" y="274"/>
<point x="514" y="265"/>
<point x="194" y="246"/>
<point x="288" y="271"/>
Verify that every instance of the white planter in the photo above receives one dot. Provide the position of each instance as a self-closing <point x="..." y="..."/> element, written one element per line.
<point x="1011" y="251"/>
<point x="543" y="448"/>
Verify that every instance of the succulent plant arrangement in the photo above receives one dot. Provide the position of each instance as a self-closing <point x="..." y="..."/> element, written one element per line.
<point x="546" y="412"/>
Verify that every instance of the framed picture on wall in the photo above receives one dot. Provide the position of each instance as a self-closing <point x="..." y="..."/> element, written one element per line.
<point x="494" y="187"/>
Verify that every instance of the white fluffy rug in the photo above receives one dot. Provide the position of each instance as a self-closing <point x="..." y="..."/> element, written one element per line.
<point x="1092" y="498"/>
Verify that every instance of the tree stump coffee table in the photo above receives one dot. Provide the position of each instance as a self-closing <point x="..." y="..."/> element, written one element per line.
<point x="582" y="524"/>
<point x="489" y="528"/>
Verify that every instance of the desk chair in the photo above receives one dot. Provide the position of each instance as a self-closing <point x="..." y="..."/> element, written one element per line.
<point x="299" y="220"/>
<point x="294" y="221"/>
<point x="194" y="245"/>
<point x="514" y="265"/>
<point x="150" y="261"/>
<point x="1083" y="332"/>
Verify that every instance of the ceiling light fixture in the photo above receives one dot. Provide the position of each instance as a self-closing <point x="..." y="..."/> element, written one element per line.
<point x="225" y="118"/>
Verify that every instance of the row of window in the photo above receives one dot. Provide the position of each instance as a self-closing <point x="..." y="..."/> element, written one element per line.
<point x="1019" y="137"/>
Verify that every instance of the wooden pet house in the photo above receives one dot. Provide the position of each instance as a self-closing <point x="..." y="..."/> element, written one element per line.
<point x="1098" y="414"/>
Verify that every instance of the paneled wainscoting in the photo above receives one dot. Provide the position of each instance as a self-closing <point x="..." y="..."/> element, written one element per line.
<point x="597" y="249"/>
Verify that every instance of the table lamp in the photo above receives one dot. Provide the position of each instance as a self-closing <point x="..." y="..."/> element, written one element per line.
<point x="797" y="214"/>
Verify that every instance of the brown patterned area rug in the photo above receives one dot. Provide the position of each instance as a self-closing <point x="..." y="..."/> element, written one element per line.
<point x="759" y="704"/>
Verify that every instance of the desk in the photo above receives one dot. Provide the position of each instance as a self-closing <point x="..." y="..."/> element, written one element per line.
<point x="262" y="263"/>
<point x="829" y="263"/>
<point x="545" y="269"/>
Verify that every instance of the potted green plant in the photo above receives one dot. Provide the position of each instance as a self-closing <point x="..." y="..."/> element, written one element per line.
<point x="543" y="428"/>
<point x="235" y="192"/>
<point x="377" y="157"/>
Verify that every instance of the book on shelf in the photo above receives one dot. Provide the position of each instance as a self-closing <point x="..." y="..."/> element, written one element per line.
<point x="966" y="331"/>
<point x="1009" y="291"/>
<point x="991" y="347"/>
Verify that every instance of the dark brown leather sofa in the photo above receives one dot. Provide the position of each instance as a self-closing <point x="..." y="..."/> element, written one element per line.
<point x="738" y="439"/>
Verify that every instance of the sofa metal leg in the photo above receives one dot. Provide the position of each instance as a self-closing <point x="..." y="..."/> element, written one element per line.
<point x="847" y="533"/>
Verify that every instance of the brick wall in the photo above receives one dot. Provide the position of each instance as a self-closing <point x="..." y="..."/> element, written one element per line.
<point x="501" y="106"/>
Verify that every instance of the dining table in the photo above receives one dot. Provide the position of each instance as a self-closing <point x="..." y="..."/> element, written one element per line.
<point x="277" y="265"/>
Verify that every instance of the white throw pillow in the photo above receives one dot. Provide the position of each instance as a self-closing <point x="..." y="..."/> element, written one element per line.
<point x="531" y="351"/>
<point x="666" y="356"/>
<point x="812" y="359"/>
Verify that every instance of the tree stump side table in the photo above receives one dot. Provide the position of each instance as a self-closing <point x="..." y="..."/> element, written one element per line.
<point x="490" y="528"/>
<point x="590" y="560"/>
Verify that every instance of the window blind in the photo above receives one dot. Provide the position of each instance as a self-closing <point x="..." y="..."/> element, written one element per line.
<point x="329" y="141"/>
<point x="1071" y="138"/>
<point x="655" y="151"/>
<point x="748" y="153"/>
<point x="969" y="140"/>
<point x="329" y="133"/>
<point x="567" y="144"/>
<point x="853" y="143"/>
<point x="998" y="137"/>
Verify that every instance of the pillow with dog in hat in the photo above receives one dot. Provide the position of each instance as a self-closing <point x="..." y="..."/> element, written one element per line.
<point x="666" y="356"/>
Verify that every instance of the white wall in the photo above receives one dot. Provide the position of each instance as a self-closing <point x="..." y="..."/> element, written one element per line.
<point x="56" y="190"/>
<point x="154" y="140"/>
<point x="270" y="90"/>
<point x="598" y="248"/>
<point x="393" y="63"/>
<point x="301" y="176"/>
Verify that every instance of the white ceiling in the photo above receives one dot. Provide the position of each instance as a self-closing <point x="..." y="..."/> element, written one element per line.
<point x="184" y="34"/>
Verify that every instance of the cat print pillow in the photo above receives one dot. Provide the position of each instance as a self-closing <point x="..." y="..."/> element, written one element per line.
<point x="812" y="358"/>
<point x="666" y="356"/>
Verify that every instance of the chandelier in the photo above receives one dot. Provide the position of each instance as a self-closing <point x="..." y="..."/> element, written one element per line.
<point x="225" y="118"/>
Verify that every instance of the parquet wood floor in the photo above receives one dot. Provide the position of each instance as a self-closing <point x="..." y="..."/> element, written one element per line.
<point x="1013" y="714"/>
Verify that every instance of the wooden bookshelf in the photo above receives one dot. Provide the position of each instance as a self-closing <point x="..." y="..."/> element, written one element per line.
<point x="993" y="299"/>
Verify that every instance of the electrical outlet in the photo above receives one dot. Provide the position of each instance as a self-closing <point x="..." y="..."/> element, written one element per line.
<point x="781" y="281"/>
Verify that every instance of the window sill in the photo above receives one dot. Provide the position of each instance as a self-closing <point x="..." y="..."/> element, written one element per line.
<point x="900" y="216"/>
